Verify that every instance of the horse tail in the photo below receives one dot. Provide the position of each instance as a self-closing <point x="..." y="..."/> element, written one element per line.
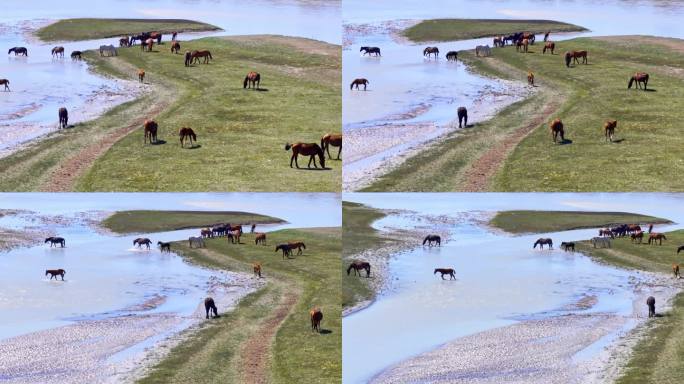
<point x="244" y="84"/>
<point x="351" y="86"/>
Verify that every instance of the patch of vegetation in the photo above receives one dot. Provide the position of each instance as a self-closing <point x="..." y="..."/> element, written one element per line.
<point x="555" y="221"/>
<point x="462" y="29"/>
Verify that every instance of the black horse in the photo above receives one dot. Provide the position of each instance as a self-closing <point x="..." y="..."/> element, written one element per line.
<point x="681" y="248"/>
<point x="63" y="117"/>
<point x="287" y="250"/>
<point x="651" y="306"/>
<point x="188" y="58"/>
<point x="370" y="50"/>
<point x="429" y="239"/>
<point x="452" y="56"/>
<point x="210" y="306"/>
<point x="164" y="246"/>
<point x="76" y="55"/>
<point x="56" y="241"/>
<point x="18" y="51"/>
<point x="568" y="246"/>
<point x="462" y="117"/>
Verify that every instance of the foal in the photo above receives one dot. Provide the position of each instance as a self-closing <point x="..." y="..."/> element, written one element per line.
<point x="556" y="127"/>
<point x="609" y="129"/>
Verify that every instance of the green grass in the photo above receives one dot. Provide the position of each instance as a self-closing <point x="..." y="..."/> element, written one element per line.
<point x="91" y="28"/>
<point x="298" y="355"/>
<point x="554" y="221"/>
<point x="139" y="221"/>
<point x="462" y="29"/>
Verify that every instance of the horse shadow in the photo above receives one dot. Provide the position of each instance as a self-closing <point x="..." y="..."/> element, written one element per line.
<point x="262" y="89"/>
<point x="565" y="142"/>
<point x="314" y="169"/>
<point x="194" y="146"/>
<point x="159" y="142"/>
<point x="618" y="141"/>
<point x="325" y="332"/>
<point x="650" y="90"/>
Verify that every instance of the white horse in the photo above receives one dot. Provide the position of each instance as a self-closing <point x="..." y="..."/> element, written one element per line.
<point x="109" y="49"/>
<point x="600" y="242"/>
<point x="483" y="49"/>
<point x="197" y="241"/>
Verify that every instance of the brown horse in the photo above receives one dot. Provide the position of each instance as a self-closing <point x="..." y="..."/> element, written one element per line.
<point x="188" y="58"/>
<point x="445" y="271"/>
<point x="124" y="42"/>
<point x="609" y="129"/>
<point x="63" y="117"/>
<point x="260" y="238"/>
<point x="522" y="45"/>
<point x="556" y="127"/>
<point x="358" y="266"/>
<point x="574" y="55"/>
<point x="141" y="75"/>
<point x="206" y="233"/>
<point x="156" y="36"/>
<point x="332" y="139"/>
<point x="550" y="45"/>
<point x="139" y="242"/>
<point x="55" y="272"/>
<point x="306" y="149"/>
<point x="639" y="77"/>
<point x="188" y="133"/>
<point x="659" y="237"/>
<point x="298" y="245"/>
<point x="637" y="236"/>
<point x="316" y="318"/>
<point x="541" y="242"/>
<point x="675" y="270"/>
<point x="252" y="80"/>
<point x="58" y="51"/>
<point x="175" y="47"/>
<point x="5" y="82"/>
<point x="196" y="55"/>
<point x="530" y="78"/>
<point x="210" y="306"/>
<point x="431" y="51"/>
<point x="462" y="114"/>
<point x="257" y="269"/>
<point x="234" y="236"/>
<point x="150" y="129"/>
<point x="149" y="43"/>
<point x="358" y="82"/>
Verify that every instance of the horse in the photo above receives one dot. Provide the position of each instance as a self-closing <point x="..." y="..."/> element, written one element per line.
<point x="358" y="82"/>
<point x="606" y="232"/>
<point x="197" y="240"/>
<point x="358" y="266"/>
<point x="55" y="240"/>
<point x="530" y="78"/>
<point x="522" y="45"/>
<point x="316" y="317"/>
<point x="5" y="82"/>
<point x="253" y="228"/>
<point x="188" y="58"/>
<point x="543" y="241"/>
<point x="484" y="49"/>
<point x="556" y="127"/>
<point x="633" y="228"/>
<point x="109" y="49"/>
<point x="600" y="242"/>
<point x="609" y="129"/>
<point x="681" y="248"/>
<point x="452" y="56"/>
<point x="188" y="133"/>
<point x="659" y="237"/>
<point x="370" y="50"/>
<point x="498" y="41"/>
<point x="196" y="55"/>
<point x="55" y="272"/>
<point x="63" y="115"/>
<point x="252" y="80"/>
<point x="139" y="242"/>
<point x="639" y="77"/>
<point x="429" y="239"/>
<point x="298" y="245"/>
<point x="164" y="246"/>
<point x="650" y="302"/>
<point x="574" y="55"/>
<point x="234" y="228"/>
<point x="149" y="43"/>
<point x="462" y="113"/>
<point x="76" y="55"/>
<point x="18" y="51"/>
<point x="332" y="139"/>
<point x="206" y="233"/>
<point x="257" y="269"/>
<point x="175" y="47"/>
<point x="285" y="248"/>
<point x="637" y="236"/>
<point x="446" y="271"/>
<point x="156" y="36"/>
<point x="675" y="270"/>
<point x="565" y="246"/>
<point x="431" y="51"/>
<point x="260" y="238"/>
<point x="306" y="149"/>
<point x="124" y="42"/>
<point x="58" y="51"/>
<point x="550" y="45"/>
<point x="150" y="129"/>
<point x="210" y="306"/>
<point x="234" y="236"/>
<point x="531" y="37"/>
<point x="546" y="36"/>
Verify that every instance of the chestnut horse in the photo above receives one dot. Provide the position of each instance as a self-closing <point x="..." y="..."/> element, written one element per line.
<point x="210" y="306"/>
<point x="556" y="127"/>
<point x="358" y="82"/>
<point x="675" y="270"/>
<point x="332" y="139"/>
<point x="358" y="266"/>
<point x="541" y="242"/>
<point x="609" y="129"/>
<point x="150" y="129"/>
<point x="550" y="45"/>
<point x="188" y="133"/>
<point x="260" y="238"/>
<point x="306" y="149"/>
<point x="431" y="51"/>
<point x="574" y="55"/>
<point x="141" y="75"/>
<point x="446" y="271"/>
<point x="55" y="272"/>
<point x="530" y="78"/>
<point x="429" y="239"/>
<point x="234" y="236"/>
<point x="462" y="113"/>
<point x="5" y="82"/>
<point x="298" y="245"/>
<point x="257" y="269"/>
<point x="316" y="317"/>
<point x="175" y="47"/>
<point x="63" y="117"/>
<point x="58" y="51"/>
<point x="639" y="77"/>
<point x="252" y="80"/>
<point x="139" y="242"/>
<point x="149" y="43"/>
<point x="659" y="237"/>
<point x="637" y="236"/>
<point x="522" y="45"/>
<point x="196" y="55"/>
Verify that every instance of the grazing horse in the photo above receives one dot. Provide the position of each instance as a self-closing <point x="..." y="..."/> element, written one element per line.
<point x="358" y="82"/>
<point x="606" y="232"/>
<point x="139" y="242"/>
<point x="257" y="269"/>
<point x="556" y="127"/>
<point x="543" y="241"/>
<point x="566" y="246"/>
<point x="5" y="82"/>
<point x="675" y="270"/>
<point x="56" y="240"/>
<point x="498" y="41"/>
<point x="210" y="306"/>
<point x="681" y="248"/>
<point x="659" y="237"/>
<point x="358" y="266"/>
<point x="252" y="80"/>
<point x="639" y="77"/>
<point x="298" y="245"/>
<point x="55" y="272"/>
<point x="483" y="49"/>
<point x="188" y="58"/>
<point x="609" y="129"/>
<point x="601" y="242"/>
<point x="188" y="133"/>
<point x="196" y="55"/>
<point x="316" y="317"/>
<point x="637" y="236"/>
<point x="63" y="117"/>
<point x="260" y="238"/>
<point x="332" y="139"/>
<point x="574" y="55"/>
<point x="150" y="129"/>
<point x="147" y="45"/>
<point x="110" y="50"/>
<point x="452" y="56"/>
<point x="206" y="233"/>
<point x="234" y="236"/>
<point x="76" y="55"/>
<point x="141" y="75"/>
<point x="650" y="302"/>
<point x="58" y="51"/>
<point x="164" y="246"/>
<point x="18" y="51"/>
<point x="530" y="78"/>
<point x="306" y="149"/>
<point x="175" y="47"/>
<point x="197" y="240"/>
<point x="370" y="50"/>
<point x="431" y="51"/>
<point x="446" y="271"/>
<point x="429" y="239"/>
<point x="287" y="251"/>
<point x="124" y="42"/>
<point x="462" y="113"/>
<point x="550" y="45"/>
